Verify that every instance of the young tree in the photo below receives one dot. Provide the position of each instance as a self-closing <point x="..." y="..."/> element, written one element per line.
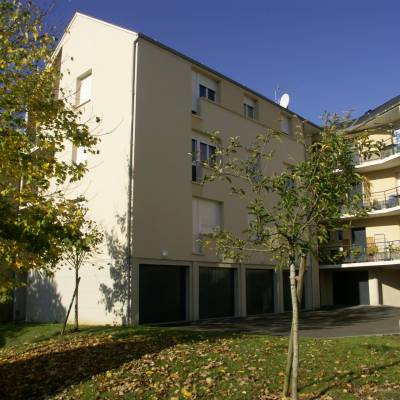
<point x="82" y="245"/>
<point x="291" y="211"/>
<point x="36" y="121"/>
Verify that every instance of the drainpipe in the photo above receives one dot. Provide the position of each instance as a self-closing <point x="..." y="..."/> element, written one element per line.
<point x="130" y="186"/>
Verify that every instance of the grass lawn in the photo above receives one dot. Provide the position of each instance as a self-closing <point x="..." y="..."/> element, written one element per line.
<point x="153" y="363"/>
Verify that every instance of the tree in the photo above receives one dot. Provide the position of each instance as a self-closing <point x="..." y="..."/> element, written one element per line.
<point x="36" y="121"/>
<point x="84" y="242"/>
<point x="292" y="211"/>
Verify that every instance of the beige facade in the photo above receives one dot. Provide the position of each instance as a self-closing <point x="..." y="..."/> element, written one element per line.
<point x="368" y="264"/>
<point x="154" y="105"/>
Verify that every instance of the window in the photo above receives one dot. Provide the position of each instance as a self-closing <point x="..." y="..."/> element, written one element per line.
<point x="336" y="235"/>
<point x="204" y="91"/>
<point x="207" y="218"/>
<point x="79" y="155"/>
<point x="202" y="87"/>
<point x="249" y="106"/>
<point x="201" y="153"/>
<point x="286" y="125"/>
<point x="84" y="87"/>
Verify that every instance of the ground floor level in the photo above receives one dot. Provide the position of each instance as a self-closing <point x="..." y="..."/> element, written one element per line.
<point x="368" y="285"/>
<point x="166" y="291"/>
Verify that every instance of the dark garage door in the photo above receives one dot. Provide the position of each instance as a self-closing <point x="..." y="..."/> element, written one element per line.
<point x="287" y="298"/>
<point x="259" y="291"/>
<point x="216" y="292"/>
<point x="162" y="293"/>
<point x="346" y="287"/>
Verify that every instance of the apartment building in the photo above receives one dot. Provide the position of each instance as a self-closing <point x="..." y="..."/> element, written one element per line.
<point x="361" y="265"/>
<point x="157" y="107"/>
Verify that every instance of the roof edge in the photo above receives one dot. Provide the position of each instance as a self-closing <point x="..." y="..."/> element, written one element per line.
<point x="221" y="75"/>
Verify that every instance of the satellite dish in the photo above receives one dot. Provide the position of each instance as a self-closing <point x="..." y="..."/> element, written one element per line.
<point x="284" y="101"/>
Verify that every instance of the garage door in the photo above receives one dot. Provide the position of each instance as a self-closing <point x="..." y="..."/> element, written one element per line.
<point x="259" y="291"/>
<point x="346" y="287"/>
<point x="216" y="292"/>
<point x="162" y="293"/>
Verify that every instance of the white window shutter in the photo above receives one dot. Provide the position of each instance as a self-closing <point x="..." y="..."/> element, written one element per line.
<point x="249" y="102"/>
<point x="210" y="216"/>
<point x="207" y="82"/>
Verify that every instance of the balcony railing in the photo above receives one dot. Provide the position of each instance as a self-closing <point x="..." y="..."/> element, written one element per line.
<point x="377" y="251"/>
<point x="389" y="148"/>
<point x="383" y="199"/>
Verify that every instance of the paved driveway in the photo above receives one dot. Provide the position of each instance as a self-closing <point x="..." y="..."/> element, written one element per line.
<point x="339" y="322"/>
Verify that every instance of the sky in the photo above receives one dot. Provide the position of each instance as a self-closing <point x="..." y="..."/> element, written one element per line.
<point x="329" y="55"/>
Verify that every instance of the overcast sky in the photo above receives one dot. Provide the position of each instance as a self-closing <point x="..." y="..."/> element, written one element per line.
<point x="331" y="56"/>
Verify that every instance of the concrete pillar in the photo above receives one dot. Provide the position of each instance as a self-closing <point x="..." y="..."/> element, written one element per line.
<point x="242" y="306"/>
<point x="373" y="284"/>
<point x="278" y="291"/>
<point x="194" y="292"/>
<point x="135" y="293"/>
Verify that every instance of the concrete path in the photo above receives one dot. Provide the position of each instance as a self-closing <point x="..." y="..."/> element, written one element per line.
<point x="339" y="322"/>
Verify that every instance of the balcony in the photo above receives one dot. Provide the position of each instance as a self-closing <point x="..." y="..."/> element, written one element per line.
<point x="382" y="203"/>
<point x="377" y="253"/>
<point x="388" y="157"/>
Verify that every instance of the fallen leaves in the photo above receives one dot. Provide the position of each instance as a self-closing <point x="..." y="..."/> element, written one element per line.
<point x="191" y="368"/>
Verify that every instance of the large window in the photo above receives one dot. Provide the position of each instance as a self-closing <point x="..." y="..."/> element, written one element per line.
<point x="84" y="89"/>
<point x="249" y="106"/>
<point x="205" y="87"/>
<point x="201" y="153"/>
<point x="207" y="218"/>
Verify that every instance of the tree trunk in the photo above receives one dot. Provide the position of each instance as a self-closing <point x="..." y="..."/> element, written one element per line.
<point x="77" y="279"/>
<point x="69" y="308"/>
<point x="295" y="329"/>
<point x="300" y="285"/>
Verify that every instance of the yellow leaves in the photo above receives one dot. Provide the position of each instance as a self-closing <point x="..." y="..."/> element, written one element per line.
<point x="186" y="394"/>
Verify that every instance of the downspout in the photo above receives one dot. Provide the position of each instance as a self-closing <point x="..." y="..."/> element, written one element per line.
<point x="130" y="187"/>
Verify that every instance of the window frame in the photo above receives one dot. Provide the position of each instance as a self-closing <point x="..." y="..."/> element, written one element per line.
<point x="197" y="225"/>
<point x="197" y="156"/>
<point x="80" y="79"/>
<point x="289" y="120"/>
<point x="250" y="108"/>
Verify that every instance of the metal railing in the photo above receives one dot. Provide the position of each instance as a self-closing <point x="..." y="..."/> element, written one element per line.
<point x="376" y="251"/>
<point x="383" y="199"/>
<point x="389" y="148"/>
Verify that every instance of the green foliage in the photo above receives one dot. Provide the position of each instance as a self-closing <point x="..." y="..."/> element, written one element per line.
<point x="36" y="121"/>
<point x="84" y="238"/>
<point x="291" y="211"/>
